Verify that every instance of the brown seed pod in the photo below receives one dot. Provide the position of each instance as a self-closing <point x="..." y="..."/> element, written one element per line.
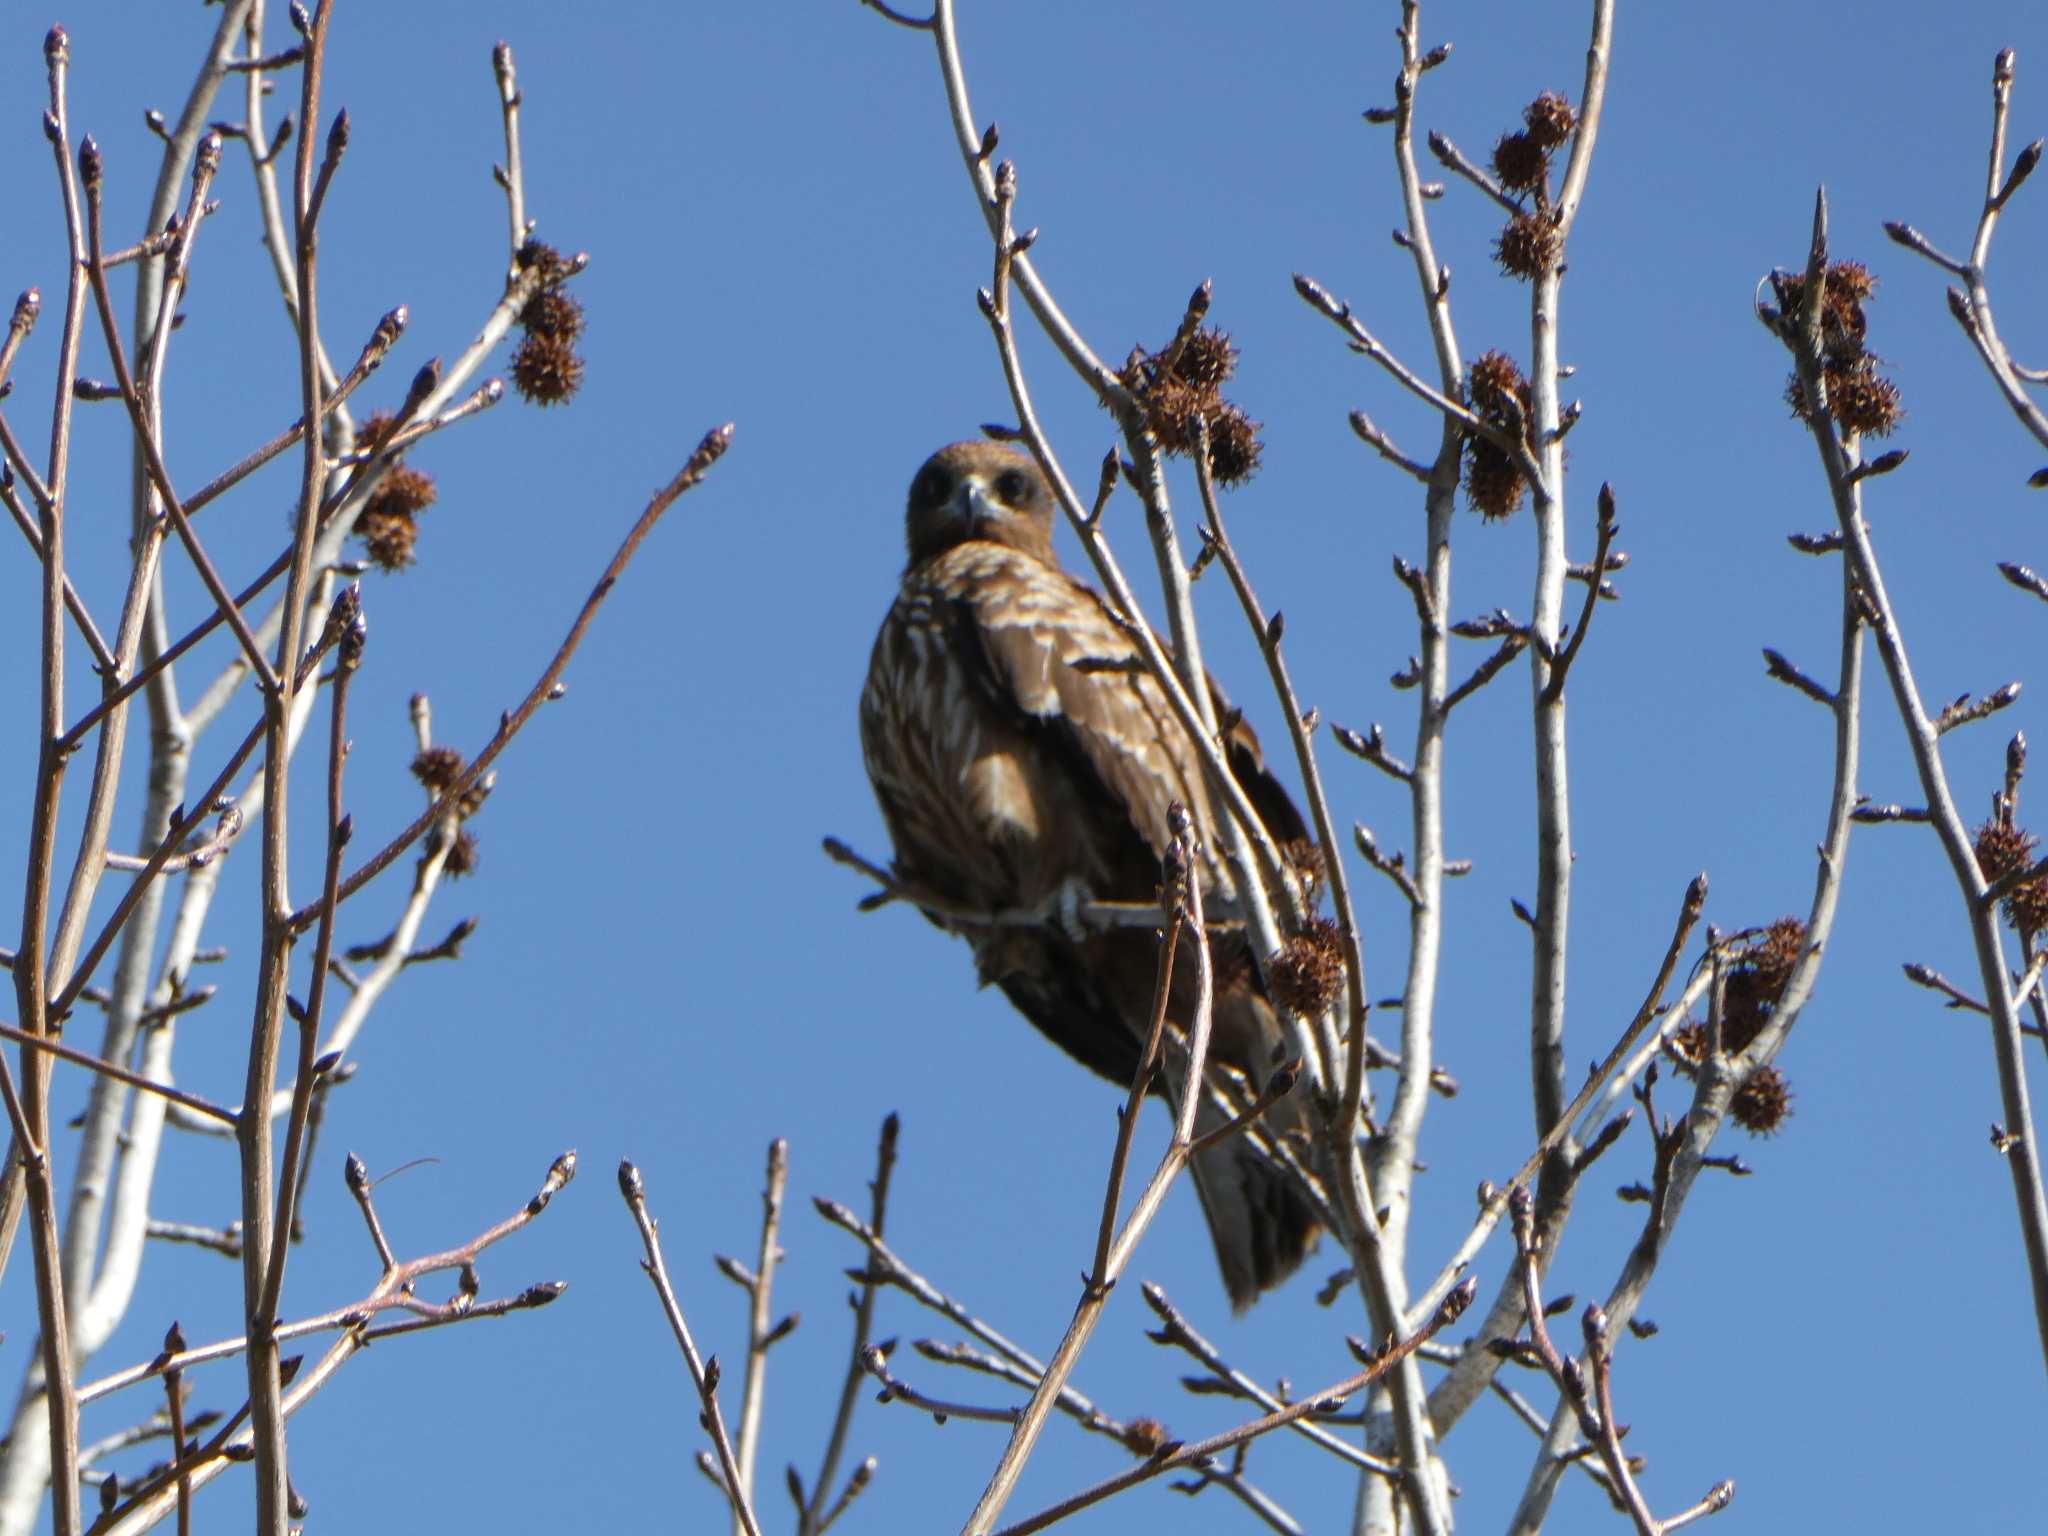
<point x="402" y="490"/>
<point x="1528" y="246"/>
<point x="1492" y="381"/>
<point x="437" y="768"/>
<point x="1862" y="400"/>
<point x="1763" y="1103"/>
<point x="1550" y="120"/>
<point x="389" y="538"/>
<point x="1234" y="446"/>
<point x="463" y="856"/>
<point x="1307" y="975"/>
<point x="1755" y="982"/>
<point x="1859" y="398"/>
<point x="554" y="266"/>
<point x="1494" y="484"/>
<point x="1520" y="162"/>
<point x="1207" y="359"/>
<point x="553" y="312"/>
<point x="546" y="369"/>
<point x="2004" y="849"/>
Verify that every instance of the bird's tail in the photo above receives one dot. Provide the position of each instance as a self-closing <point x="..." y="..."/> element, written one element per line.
<point x="1261" y="1223"/>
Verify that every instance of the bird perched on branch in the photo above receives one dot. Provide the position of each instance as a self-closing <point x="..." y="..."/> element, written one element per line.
<point x="1025" y="761"/>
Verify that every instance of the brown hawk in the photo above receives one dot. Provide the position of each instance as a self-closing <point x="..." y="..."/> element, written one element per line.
<point x="1012" y="779"/>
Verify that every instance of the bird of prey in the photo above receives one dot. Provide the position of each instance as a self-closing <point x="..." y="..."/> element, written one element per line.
<point x="1021" y="756"/>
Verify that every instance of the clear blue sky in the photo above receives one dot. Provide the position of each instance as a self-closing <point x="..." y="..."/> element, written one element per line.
<point x="667" y="969"/>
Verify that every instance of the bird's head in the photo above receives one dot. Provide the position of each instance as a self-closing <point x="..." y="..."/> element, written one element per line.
<point x="979" y="490"/>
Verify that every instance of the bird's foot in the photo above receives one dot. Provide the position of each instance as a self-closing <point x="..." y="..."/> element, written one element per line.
<point x="1067" y="910"/>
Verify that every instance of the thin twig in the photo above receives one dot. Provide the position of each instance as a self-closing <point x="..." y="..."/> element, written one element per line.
<point x="704" y="1374"/>
<point x="762" y="1330"/>
<point x="1176" y="1456"/>
<point x="707" y="453"/>
<point x="813" y="1517"/>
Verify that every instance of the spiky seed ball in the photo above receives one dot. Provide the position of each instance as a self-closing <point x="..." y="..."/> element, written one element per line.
<point x="1776" y="951"/>
<point x="1520" y="162"/>
<point x="437" y="768"/>
<point x="2004" y="849"/>
<point x="463" y="856"/>
<point x="553" y="265"/>
<point x="1850" y="281"/>
<point x="1494" y="378"/>
<point x="1795" y="397"/>
<point x="402" y="490"/>
<point x="1842" y="321"/>
<point x="1234" y="446"/>
<point x="546" y="369"/>
<point x="1550" y="119"/>
<point x="371" y="429"/>
<point x="1755" y="982"/>
<point x="1307" y="975"/>
<point x="1859" y="398"/>
<point x="1528" y="246"/>
<point x="1206" y="359"/>
<point x="1146" y="1437"/>
<point x="1763" y="1103"/>
<point x="1863" y="400"/>
<point x="1493" y="480"/>
<point x="388" y="538"/>
<point x="553" y="312"/>
<point x="1171" y="407"/>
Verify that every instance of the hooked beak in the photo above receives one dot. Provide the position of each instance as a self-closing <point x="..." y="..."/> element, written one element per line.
<point x="973" y="507"/>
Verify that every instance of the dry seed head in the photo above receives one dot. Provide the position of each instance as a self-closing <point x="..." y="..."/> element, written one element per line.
<point x="1493" y="379"/>
<point x="553" y="312"/>
<point x="1863" y="400"/>
<point x="1528" y="246"/>
<point x="2004" y="849"/>
<point x="1755" y="982"/>
<point x="437" y="768"/>
<point x="554" y="266"/>
<point x="1763" y="1103"/>
<point x="462" y="856"/>
<point x="1234" y="446"/>
<point x="388" y="538"/>
<point x="1307" y="975"/>
<point x="1520" y="162"/>
<point x="1171" y="407"/>
<point x="1850" y="281"/>
<point x="371" y="429"/>
<point x="546" y="369"/>
<point x="1860" y="398"/>
<point x="1550" y="119"/>
<point x="402" y="490"/>
<point x="1493" y="480"/>
<point x="1206" y="359"/>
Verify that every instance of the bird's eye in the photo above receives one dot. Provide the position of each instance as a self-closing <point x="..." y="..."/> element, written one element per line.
<point x="1014" y="487"/>
<point x="934" y="485"/>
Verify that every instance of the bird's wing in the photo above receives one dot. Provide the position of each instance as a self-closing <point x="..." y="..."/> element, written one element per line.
<point x="1053" y="651"/>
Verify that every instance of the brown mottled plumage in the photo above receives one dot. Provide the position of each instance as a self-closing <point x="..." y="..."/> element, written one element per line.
<point x="1009" y="775"/>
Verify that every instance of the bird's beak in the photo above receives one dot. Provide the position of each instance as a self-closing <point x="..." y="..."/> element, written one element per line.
<point x="972" y="504"/>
